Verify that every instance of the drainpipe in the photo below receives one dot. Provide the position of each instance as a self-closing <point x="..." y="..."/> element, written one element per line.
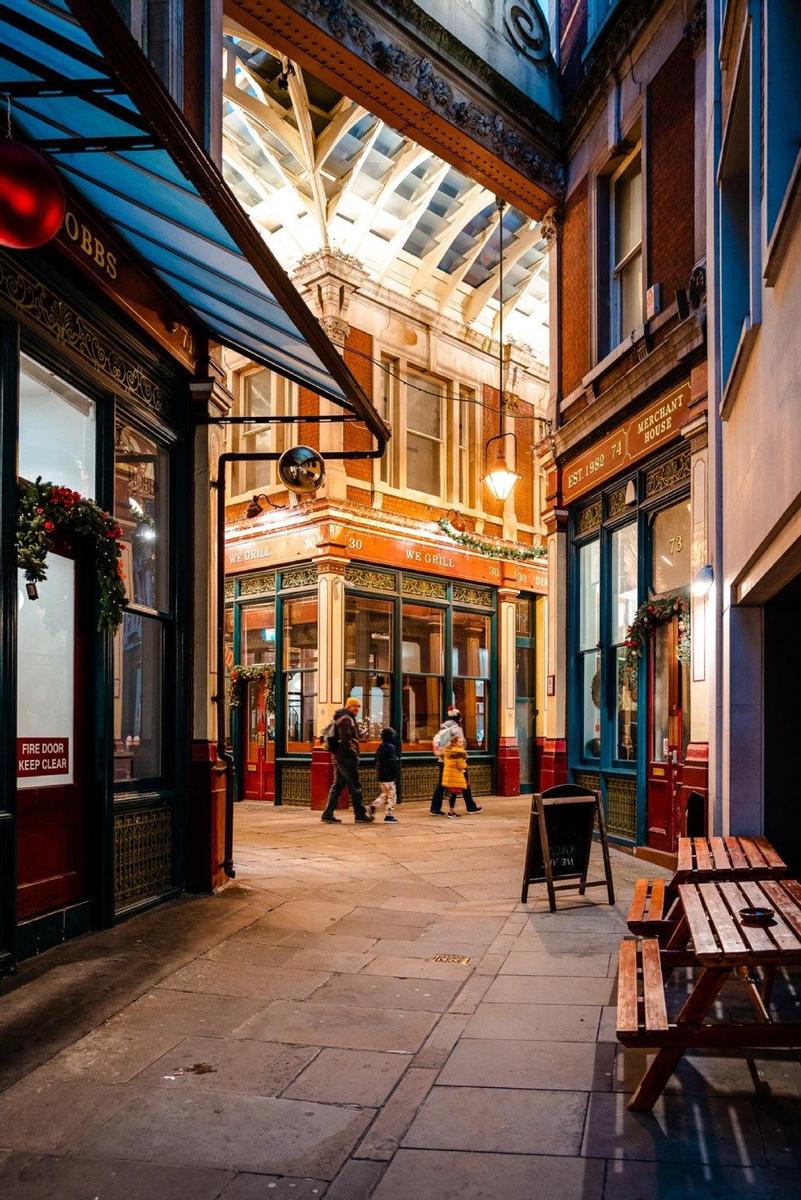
<point x="225" y="756"/>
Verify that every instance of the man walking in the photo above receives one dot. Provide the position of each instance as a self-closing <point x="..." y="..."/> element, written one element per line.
<point x="346" y="764"/>
<point x="451" y="726"/>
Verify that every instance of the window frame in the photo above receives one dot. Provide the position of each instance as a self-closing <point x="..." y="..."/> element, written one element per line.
<point x="284" y="393"/>
<point x="618" y="266"/>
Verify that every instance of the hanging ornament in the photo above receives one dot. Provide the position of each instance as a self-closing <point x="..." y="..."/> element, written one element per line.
<point x="32" y="201"/>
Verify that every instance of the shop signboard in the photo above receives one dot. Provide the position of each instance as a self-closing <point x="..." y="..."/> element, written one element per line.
<point x="402" y="553"/>
<point x="647" y="431"/>
<point x="560" y="836"/>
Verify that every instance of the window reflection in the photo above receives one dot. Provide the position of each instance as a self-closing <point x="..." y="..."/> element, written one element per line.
<point x="57" y="430"/>
<point x="140" y="508"/>
<point x="300" y="665"/>
<point x="423" y="662"/>
<point x="138" y="680"/>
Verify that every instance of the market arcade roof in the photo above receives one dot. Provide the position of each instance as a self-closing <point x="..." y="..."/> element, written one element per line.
<point x="83" y="91"/>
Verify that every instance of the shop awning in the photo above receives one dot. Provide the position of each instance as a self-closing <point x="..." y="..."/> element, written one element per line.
<point x="83" y="92"/>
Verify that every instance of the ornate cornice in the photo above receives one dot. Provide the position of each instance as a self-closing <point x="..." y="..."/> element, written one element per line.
<point x="550" y="227"/>
<point x="52" y="317"/>
<point x="419" y="72"/>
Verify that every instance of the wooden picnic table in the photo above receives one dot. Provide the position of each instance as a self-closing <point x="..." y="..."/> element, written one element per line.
<point x="653" y="909"/>
<point x="711" y="934"/>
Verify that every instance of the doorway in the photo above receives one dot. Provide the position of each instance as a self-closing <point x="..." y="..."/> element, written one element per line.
<point x="782" y="721"/>
<point x="51" y="753"/>
<point x="526" y="711"/>
<point x="258" y="744"/>
<point x="668" y="734"/>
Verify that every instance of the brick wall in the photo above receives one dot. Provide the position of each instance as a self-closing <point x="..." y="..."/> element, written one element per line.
<point x="358" y="356"/>
<point x="308" y="406"/>
<point x="671" y="187"/>
<point x="575" y="300"/>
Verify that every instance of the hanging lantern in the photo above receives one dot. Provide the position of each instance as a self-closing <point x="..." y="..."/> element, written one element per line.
<point x="32" y="201"/>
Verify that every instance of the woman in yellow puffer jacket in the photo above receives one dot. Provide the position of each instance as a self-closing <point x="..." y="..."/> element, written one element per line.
<point x="453" y="774"/>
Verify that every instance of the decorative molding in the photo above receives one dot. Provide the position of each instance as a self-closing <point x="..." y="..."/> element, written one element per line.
<point x="257" y="585"/>
<point x="229" y="589"/>
<point x="428" y="589"/>
<point x="142" y="855"/>
<point x="396" y="63"/>
<point x="589" y="519"/>
<point x="34" y="302"/>
<point x="336" y="329"/>
<point x="616" y="503"/>
<point x="375" y="581"/>
<point x="695" y="29"/>
<point x="550" y="227"/>
<point x="527" y="30"/>
<point x="696" y="289"/>
<point x="668" y="475"/>
<point x="477" y="597"/>
<point x="299" y="577"/>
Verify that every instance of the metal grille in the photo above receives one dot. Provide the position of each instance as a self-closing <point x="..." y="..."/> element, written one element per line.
<point x="295" y="784"/>
<point x="432" y="589"/>
<point x="480" y="778"/>
<point x="257" y="585"/>
<point x="622" y="807"/>
<point x="418" y="781"/>
<point x="585" y="780"/>
<point x="375" y="581"/>
<point x="480" y="597"/>
<point x="142" y="855"/>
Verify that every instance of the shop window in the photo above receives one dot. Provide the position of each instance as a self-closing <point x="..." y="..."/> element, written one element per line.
<point x="626" y="291"/>
<point x="261" y="394"/>
<point x="138" y="697"/>
<point x="671" y="544"/>
<point x="423" y="662"/>
<point x="470" y="650"/>
<point x="57" y="430"/>
<point x="368" y="663"/>
<point x="228" y="642"/>
<point x="525" y="689"/>
<point x="257" y="637"/>
<point x="624" y="606"/>
<point x="425" y="410"/>
<point x="387" y="406"/>
<point x="300" y="667"/>
<point x="782" y="114"/>
<point x="141" y="497"/>
<point x="589" y="658"/>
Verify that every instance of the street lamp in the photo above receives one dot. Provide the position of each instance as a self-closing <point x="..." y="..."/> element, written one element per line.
<point x="499" y="476"/>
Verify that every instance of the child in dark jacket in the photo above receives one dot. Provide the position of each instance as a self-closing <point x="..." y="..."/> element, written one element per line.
<point x="387" y="762"/>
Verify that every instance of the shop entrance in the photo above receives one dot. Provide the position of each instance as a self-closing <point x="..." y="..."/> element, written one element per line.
<point x="782" y="721"/>
<point x="668" y="733"/>
<point x="51" y="760"/>
<point x="258" y="748"/>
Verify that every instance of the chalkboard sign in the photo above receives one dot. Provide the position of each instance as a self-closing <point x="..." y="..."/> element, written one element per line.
<point x="560" y="839"/>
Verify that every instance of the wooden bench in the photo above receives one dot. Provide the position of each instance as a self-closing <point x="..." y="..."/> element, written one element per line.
<point x="649" y="907"/>
<point x="641" y="1009"/>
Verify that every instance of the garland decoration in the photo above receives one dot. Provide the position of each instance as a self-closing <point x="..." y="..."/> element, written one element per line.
<point x="650" y="614"/>
<point x="45" y="510"/>
<point x="241" y="676"/>
<point x="473" y="541"/>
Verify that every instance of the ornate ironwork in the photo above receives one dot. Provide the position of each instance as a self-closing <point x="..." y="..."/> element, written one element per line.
<point x="478" y="597"/>
<point x="229" y="589"/>
<point x="418" y="780"/>
<point x="436" y="91"/>
<point x="63" y="324"/>
<point x="587" y="780"/>
<point x="616" y="502"/>
<point x="299" y="577"/>
<point x="668" y="475"/>
<point x="621" y="796"/>
<point x="429" y="589"/>
<point x="372" y="580"/>
<point x="480" y="778"/>
<point x="295" y="785"/>
<point x="258" y="585"/>
<point x="142" y="855"/>
<point x="589" y="519"/>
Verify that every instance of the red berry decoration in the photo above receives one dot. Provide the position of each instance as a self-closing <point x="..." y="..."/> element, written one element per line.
<point x="32" y="201"/>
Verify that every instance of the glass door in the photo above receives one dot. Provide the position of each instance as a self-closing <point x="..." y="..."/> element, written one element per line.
<point x="667" y="736"/>
<point x="257" y="647"/>
<point x="525" y="698"/>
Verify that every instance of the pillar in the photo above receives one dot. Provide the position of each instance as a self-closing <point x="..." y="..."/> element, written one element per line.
<point x="553" y="705"/>
<point x="507" y="782"/>
<point x="206" y="814"/>
<point x="331" y="565"/>
<point x="695" y="773"/>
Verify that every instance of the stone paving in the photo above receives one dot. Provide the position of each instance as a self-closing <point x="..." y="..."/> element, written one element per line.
<point x="293" y="1037"/>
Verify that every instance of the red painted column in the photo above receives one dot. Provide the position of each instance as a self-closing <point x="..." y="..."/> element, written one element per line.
<point x="206" y="820"/>
<point x="507" y="768"/>
<point x="553" y="763"/>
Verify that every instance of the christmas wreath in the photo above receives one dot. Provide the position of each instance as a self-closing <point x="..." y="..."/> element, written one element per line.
<point x="472" y="541"/>
<point x="240" y="676"/>
<point x="650" y="614"/>
<point x="45" y="510"/>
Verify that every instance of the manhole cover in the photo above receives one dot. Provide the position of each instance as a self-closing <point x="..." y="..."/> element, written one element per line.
<point x="460" y="959"/>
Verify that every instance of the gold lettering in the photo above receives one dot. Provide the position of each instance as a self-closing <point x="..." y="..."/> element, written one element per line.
<point x="111" y="267"/>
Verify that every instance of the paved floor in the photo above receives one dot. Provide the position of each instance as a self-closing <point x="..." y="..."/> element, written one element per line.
<point x="294" y="1037"/>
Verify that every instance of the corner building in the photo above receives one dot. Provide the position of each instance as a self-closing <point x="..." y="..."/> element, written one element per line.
<point x="627" y="466"/>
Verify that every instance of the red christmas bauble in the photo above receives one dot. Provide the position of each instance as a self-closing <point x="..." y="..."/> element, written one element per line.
<point x="32" y="201"/>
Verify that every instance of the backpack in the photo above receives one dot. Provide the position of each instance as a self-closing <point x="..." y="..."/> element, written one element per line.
<point x="330" y="737"/>
<point x="441" y="740"/>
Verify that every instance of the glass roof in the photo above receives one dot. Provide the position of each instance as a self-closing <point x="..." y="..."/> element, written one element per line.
<point x="158" y="190"/>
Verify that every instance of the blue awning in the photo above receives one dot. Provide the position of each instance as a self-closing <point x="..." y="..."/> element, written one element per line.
<point x="83" y="92"/>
